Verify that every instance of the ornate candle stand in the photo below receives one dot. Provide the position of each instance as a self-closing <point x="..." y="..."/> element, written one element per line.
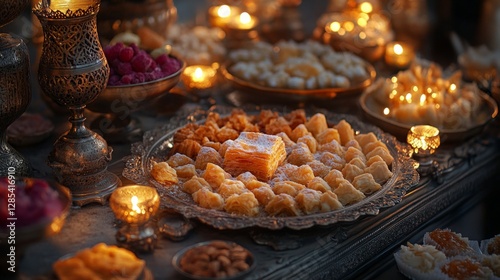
<point x="15" y="92"/>
<point x="73" y="71"/>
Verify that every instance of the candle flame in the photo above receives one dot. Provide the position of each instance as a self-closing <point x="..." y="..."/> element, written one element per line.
<point x="453" y="87"/>
<point x="335" y="26"/>
<point x="422" y="99"/>
<point x="386" y="111"/>
<point x="408" y="97"/>
<point x="398" y="49"/>
<point x="135" y="208"/>
<point x="198" y="75"/>
<point x="224" y="11"/>
<point x="366" y="7"/>
<point x="394" y="79"/>
<point x="245" y="18"/>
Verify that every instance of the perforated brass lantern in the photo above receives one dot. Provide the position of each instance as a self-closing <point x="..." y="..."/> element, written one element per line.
<point x="135" y="205"/>
<point x="73" y="71"/>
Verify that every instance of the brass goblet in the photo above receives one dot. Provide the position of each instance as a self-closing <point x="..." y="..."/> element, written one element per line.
<point x="15" y="92"/>
<point x="73" y="71"/>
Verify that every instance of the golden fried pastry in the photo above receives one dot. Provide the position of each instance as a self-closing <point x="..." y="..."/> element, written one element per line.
<point x="358" y="162"/>
<point x="365" y="138"/>
<point x="282" y="205"/>
<point x="380" y="171"/>
<point x="373" y="159"/>
<point x="372" y="145"/>
<point x="207" y="155"/>
<point x="366" y="183"/>
<point x="310" y="141"/>
<point x="319" y="184"/>
<point x="319" y="169"/>
<point x="263" y="194"/>
<point x="333" y="147"/>
<point x="185" y="171"/>
<point x="302" y="175"/>
<point x="215" y="175"/>
<point x="278" y="125"/>
<point x="347" y="193"/>
<point x="254" y="184"/>
<point x="288" y="142"/>
<point x="230" y="187"/>
<point x="257" y="153"/>
<point x="208" y="199"/>
<point x="383" y="153"/>
<point x="328" y="135"/>
<point x="308" y="201"/>
<point x="298" y="132"/>
<point x="195" y="184"/>
<point x="246" y="177"/>
<point x="289" y="187"/>
<point x="345" y="131"/>
<point x="331" y="178"/>
<point x="164" y="174"/>
<point x="334" y="161"/>
<point x="300" y="155"/>
<point x="179" y="160"/>
<point x="329" y="202"/>
<point x="353" y="143"/>
<point x="317" y="124"/>
<point x="243" y="204"/>
<point x="352" y="153"/>
<point x="350" y="171"/>
<point x="100" y="262"/>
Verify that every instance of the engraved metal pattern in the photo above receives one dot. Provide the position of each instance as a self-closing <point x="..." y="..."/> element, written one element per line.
<point x="73" y="71"/>
<point x="157" y="144"/>
<point x="15" y="95"/>
<point x="11" y="9"/>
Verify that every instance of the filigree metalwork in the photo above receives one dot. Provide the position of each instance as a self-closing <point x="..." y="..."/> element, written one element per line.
<point x="73" y="71"/>
<point x="157" y="143"/>
<point x="15" y="95"/>
<point x="11" y="9"/>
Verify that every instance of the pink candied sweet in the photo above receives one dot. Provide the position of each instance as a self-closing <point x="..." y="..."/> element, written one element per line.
<point x="126" y="54"/>
<point x="124" y="68"/>
<point x="34" y="200"/>
<point x="113" y="51"/>
<point x="127" y="79"/>
<point x="141" y="62"/>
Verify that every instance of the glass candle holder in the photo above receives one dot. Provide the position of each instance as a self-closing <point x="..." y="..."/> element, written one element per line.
<point x="424" y="139"/>
<point x="199" y="77"/>
<point x="134" y="206"/>
<point x="221" y="15"/>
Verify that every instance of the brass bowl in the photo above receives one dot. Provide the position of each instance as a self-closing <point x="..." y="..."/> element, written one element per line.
<point x="132" y="97"/>
<point x="117" y="103"/>
<point x="373" y="112"/>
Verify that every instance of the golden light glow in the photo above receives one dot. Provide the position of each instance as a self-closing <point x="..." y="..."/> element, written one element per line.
<point x="245" y="18"/>
<point x="362" y="22"/>
<point x="424" y="139"/>
<point x="349" y="26"/>
<point x="422" y="99"/>
<point x="434" y="95"/>
<point x="394" y="79"/>
<point x="386" y="111"/>
<point x="398" y="49"/>
<point x="362" y="35"/>
<point x="408" y="97"/>
<point x="341" y="32"/>
<point x="198" y="75"/>
<point x="335" y="26"/>
<point x="366" y="7"/>
<point x="415" y="88"/>
<point x="224" y="11"/>
<point x="453" y="88"/>
<point x="135" y="208"/>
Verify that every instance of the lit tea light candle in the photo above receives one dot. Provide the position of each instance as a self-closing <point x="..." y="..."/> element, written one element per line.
<point x="134" y="204"/>
<point x="199" y="77"/>
<point x="424" y="139"/>
<point x="399" y="54"/>
<point x="366" y="7"/>
<point x="244" y="21"/>
<point x="220" y="16"/>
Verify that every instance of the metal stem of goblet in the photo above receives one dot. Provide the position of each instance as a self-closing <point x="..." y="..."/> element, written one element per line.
<point x="138" y="237"/>
<point x="73" y="71"/>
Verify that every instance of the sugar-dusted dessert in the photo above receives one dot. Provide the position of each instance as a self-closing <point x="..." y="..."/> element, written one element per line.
<point x="450" y="243"/>
<point x="272" y="164"/>
<point x="491" y="246"/>
<point x="419" y="261"/>
<point x="307" y="65"/>
<point x="465" y="268"/>
<point x="100" y="262"/>
<point x="492" y="262"/>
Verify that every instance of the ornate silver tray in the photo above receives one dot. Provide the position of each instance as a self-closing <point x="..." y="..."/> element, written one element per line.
<point x="157" y="143"/>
